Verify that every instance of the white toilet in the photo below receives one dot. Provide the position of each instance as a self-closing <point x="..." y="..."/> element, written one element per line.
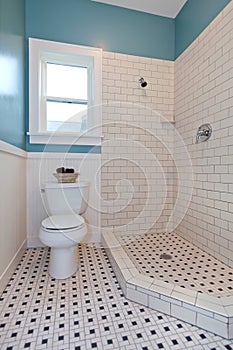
<point x="64" y="228"/>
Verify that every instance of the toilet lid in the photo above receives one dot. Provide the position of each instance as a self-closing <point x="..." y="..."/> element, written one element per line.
<point x="59" y="222"/>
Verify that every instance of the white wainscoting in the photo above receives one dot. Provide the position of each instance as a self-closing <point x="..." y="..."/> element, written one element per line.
<point x="40" y="168"/>
<point x="12" y="209"/>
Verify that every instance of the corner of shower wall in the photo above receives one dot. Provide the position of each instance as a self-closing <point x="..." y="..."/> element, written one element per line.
<point x="203" y="90"/>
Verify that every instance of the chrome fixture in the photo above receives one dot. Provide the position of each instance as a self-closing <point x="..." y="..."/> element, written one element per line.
<point x="203" y="133"/>
<point x="142" y="82"/>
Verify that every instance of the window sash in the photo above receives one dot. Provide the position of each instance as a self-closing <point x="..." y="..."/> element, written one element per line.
<point x="67" y="80"/>
<point x="66" y="100"/>
<point x="78" y="62"/>
<point x="42" y="51"/>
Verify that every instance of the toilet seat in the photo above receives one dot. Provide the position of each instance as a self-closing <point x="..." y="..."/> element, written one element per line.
<point x="63" y="222"/>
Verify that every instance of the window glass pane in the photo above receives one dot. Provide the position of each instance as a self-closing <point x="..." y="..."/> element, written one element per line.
<point x="66" y="81"/>
<point x="68" y="117"/>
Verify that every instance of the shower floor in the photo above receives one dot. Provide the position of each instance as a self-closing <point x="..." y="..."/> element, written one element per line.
<point x="189" y="266"/>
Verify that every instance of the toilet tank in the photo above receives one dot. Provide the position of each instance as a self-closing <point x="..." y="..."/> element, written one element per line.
<point x="65" y="198"/>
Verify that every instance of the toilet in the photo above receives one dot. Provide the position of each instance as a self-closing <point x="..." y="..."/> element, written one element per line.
<point x="65" y="227"/>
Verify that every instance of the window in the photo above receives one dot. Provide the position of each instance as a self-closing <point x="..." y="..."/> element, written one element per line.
<point x="64" y="93"/>
<point x="66" y="97"/>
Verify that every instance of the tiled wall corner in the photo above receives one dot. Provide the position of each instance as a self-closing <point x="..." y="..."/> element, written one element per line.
<point x="203" y="94"/>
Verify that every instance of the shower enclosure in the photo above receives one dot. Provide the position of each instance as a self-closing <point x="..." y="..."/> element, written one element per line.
<point x="148" y="187"/>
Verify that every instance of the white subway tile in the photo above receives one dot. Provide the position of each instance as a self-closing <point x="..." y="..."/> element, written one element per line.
<point x="183" y="314"/>
<point x="159" y="305"/>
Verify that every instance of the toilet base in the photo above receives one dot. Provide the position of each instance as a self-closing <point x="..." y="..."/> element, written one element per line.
<point x="63" y="262"/>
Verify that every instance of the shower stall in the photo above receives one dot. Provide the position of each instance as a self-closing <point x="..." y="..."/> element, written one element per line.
<point x="166" y="179"/>
<point x="149" y="186"/>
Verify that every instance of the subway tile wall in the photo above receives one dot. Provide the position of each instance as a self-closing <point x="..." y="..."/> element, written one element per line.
<point x="204" y="94"/>
<point x="137" y="167"/>
<point x="139" y="174"/>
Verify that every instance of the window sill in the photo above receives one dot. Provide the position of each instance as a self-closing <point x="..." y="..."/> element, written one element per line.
<point x="64" y="139"/>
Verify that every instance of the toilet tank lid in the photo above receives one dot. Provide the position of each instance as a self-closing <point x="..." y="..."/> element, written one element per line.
<point x="58" y="222"/>
<point x="64" y="185"/>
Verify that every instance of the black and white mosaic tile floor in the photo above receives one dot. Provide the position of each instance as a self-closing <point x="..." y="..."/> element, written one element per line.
<point x="189" y="267"/>
<point x="86" y="311"/>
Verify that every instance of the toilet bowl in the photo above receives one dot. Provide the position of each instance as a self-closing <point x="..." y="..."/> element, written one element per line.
<point x="62" y="233"/>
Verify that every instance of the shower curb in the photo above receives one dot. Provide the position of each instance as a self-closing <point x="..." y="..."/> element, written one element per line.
<point x="199" y="309"/>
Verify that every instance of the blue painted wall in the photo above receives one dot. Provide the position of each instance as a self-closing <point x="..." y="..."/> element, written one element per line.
<point x="12" y="72"/>
<point x="112" y="28"/>
<point x="195" y="16"/>
<point x="87" y="23"/>
<point x="94" y="24"/>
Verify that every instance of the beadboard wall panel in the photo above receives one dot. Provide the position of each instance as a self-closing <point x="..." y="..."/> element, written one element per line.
<point x="12" y="209"/>
<point x="40" y="169"/>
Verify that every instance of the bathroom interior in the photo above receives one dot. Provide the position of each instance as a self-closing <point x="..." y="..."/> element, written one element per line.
<point x="158" y="163"/>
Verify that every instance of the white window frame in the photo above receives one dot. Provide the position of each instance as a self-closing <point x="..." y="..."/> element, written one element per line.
<point x="41" y="51"/>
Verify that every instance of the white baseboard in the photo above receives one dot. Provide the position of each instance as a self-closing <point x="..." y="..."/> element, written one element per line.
<point x="5" y="277"/>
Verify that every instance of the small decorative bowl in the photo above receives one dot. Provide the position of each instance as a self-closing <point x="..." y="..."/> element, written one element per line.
<point x="66" y="177"/>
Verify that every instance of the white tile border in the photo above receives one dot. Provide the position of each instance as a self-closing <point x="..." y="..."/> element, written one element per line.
<point x="207" y="312"/>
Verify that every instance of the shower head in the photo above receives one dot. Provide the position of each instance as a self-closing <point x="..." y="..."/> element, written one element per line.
<point x="142" y="82"/>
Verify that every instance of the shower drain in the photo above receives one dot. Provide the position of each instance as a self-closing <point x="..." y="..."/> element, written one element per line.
<point x="165" y="256"/>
